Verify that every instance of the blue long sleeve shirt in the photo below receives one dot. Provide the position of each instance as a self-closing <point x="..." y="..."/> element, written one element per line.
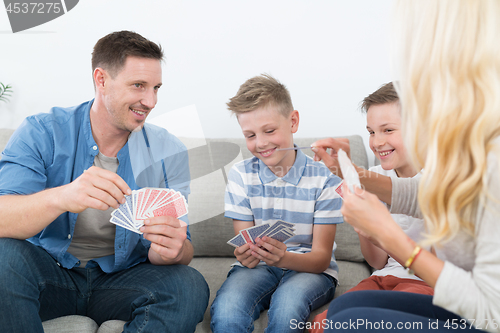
<point x="53" y="149"/>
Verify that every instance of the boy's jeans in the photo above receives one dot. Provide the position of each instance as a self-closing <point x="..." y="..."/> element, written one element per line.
<point x="151" y="298"/>
<point x="289" y="295"/>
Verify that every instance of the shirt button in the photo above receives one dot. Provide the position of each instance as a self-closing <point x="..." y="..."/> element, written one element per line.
<point x="278" y="201"/>
<point x="69" y="236"/>
<point x="94" y="147"/>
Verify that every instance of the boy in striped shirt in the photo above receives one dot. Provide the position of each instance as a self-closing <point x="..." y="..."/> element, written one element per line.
<point x="293" y="278"/>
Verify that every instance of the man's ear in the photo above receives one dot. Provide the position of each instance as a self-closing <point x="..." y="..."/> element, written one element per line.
<point x="294" y="118"/>
<point x="100" y="76"/>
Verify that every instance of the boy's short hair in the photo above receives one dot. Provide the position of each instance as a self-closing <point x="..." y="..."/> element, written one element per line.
<point x="261" y="91"/>
<point x="111" y="51"/>
<point x="384" y="95"/>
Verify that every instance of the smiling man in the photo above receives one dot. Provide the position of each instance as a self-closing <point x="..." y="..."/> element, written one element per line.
<point x="62" y="174"/>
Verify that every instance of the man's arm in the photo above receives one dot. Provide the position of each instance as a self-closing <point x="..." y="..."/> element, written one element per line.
<point x="24" y="216"/>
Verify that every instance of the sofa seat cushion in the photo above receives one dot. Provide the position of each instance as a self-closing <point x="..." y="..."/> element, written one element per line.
<point x="215" y="271"/>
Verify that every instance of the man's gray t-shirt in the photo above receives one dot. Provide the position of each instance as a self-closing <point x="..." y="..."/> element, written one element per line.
<point x="94" y="235"/>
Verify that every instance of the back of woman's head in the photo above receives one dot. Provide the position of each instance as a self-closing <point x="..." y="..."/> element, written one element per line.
<point x="448" y="54"/>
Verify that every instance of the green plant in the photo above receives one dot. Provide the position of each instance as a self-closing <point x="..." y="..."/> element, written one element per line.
<point x="5" y="92"/>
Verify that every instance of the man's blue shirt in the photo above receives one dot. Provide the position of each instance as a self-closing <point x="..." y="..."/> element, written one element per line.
<point x="53" y="149"/>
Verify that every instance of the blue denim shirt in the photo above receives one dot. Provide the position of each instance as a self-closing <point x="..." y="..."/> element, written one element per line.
<point x="53" y="149"/>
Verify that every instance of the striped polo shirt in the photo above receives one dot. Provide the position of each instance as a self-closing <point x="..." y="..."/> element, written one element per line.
<point x="304" y="196"/>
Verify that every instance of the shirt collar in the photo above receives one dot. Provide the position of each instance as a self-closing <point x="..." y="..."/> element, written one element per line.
<point x="293" y="176"/>
<point x="87" y="128"/>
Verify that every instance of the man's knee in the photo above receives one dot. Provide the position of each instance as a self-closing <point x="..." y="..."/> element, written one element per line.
<point x="14" y="253"/>
<point x="188" y="285"/>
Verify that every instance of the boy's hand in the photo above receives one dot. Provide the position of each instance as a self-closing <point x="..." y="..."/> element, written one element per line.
<point x="268" y="250"/>
<point x="244" y="256"/>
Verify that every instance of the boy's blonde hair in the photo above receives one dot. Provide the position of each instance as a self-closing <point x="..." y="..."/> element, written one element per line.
<point x="386" y="94"/>
<point x="449" y="67"/>
<point x="261" y="91"/>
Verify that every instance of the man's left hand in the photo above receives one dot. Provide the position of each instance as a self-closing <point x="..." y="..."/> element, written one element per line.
<point x="168" y="237"/>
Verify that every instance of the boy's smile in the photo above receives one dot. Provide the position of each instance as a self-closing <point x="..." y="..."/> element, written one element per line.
<point x="383" y="122"/>
<point x="266" y="129"/>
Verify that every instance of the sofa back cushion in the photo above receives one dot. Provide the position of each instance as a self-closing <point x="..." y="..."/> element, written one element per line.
<point x="210" y="161"/>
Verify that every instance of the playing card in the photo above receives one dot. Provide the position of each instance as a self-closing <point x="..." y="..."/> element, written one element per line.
<point x="338" y="189"/>
<point x="246" y="236"/>
<point x="176" y="208"/>
<point x="278" y="225"/>
<point x="258" y="230"/>
<point x="118" y="213"/>
<point x="280" y="230"/>
<point x="118" y="222"/>
<point x="160" y="206"/>
<point x="349" y="173"/>
<point x="282" y="236"/>
<point x="149" y="197"/>
<point x="147" y="203"/>
<point x="237" y="241"/>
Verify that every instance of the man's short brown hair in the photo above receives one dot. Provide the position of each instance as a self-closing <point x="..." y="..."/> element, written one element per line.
<point x="386" y="94"/>
<point x="111" y="51"/>
<point x="261" y="91"/>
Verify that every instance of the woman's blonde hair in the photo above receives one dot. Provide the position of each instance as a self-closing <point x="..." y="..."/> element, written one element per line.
<point x="448" y="62"/>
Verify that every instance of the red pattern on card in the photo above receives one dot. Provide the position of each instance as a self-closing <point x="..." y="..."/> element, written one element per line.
<point x="246" y="236"/>
<point x="176" y="208"/>
<point x="339" y="190"/>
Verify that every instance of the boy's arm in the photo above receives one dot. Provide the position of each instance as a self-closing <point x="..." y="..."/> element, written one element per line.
<point x="274" y="253"/>
<point x="243" y="253"/>
<point x="375" y="256"/>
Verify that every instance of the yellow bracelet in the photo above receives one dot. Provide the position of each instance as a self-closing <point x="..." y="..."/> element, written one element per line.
<point x="414" y="254"/>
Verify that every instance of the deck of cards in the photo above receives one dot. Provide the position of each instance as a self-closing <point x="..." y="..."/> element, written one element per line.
<point x="279" y="230"/>
<point x="147" y="203"/>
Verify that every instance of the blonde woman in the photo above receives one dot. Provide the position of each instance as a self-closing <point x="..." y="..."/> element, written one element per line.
<point x="449" y="71"/>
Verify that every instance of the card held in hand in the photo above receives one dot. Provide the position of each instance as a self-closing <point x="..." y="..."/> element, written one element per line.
<point x="279" y="230"/>
<point x="349" y="173"/>
<point x="147" y="203"/>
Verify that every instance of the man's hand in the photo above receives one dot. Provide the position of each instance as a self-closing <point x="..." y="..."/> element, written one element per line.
<point x="244" y="256"/>
<point x="95" y="188"/>
<point x="268" y="250"/>
<point x="330" y="158"/>
<point x="168" y="237"/>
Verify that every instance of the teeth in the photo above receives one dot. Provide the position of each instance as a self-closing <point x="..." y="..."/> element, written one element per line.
<point x="139" y="112"/>
<point x="385" y="153"/>
<point x="266" y="153"/>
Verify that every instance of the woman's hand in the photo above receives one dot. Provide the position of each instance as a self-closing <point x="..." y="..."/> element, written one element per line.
<point x="369" y="216"/>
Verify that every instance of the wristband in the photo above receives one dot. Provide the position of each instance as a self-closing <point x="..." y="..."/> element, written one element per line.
<point x="414" y="255"/>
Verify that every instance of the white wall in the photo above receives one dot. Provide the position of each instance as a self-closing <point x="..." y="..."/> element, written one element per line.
<point x="329" y="53"/>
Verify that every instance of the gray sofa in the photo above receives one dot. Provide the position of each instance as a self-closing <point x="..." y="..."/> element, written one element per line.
<point x="210" y="160"/>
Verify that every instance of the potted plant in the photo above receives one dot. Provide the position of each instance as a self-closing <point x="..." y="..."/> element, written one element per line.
<point x="5" y="92"/>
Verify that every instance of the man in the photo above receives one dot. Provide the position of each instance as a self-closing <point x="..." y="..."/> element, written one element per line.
<point x="61" y="175"/>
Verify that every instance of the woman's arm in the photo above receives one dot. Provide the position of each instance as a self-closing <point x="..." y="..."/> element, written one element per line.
<point x="371" y="181"/>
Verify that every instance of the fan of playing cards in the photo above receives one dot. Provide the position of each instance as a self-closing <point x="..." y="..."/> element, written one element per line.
<point x="146" y="203"/>
<point x="279" y="230"/>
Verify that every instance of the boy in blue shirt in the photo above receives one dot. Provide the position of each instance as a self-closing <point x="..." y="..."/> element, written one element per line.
<point x="293" y="278"/>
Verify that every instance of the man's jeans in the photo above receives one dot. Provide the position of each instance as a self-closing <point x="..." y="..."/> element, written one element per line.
<point x="34" y="288"/>
<point x="289" y="295"/>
